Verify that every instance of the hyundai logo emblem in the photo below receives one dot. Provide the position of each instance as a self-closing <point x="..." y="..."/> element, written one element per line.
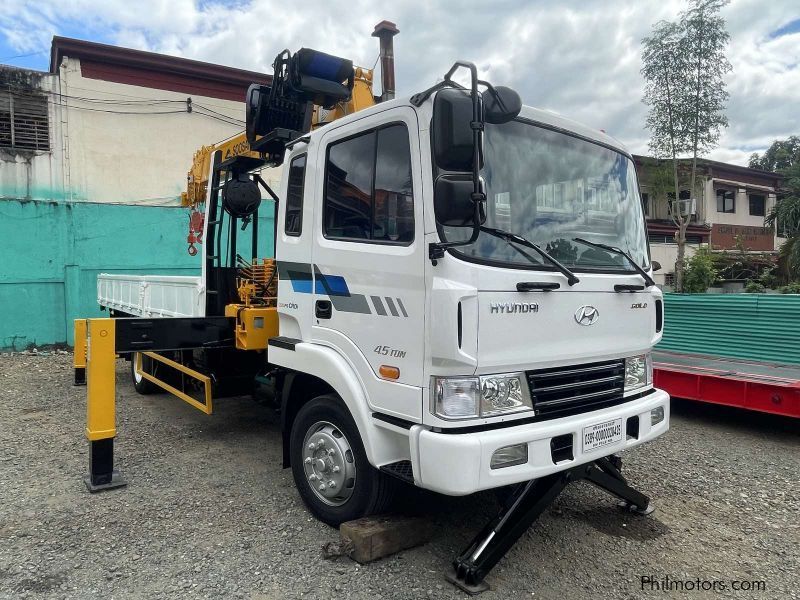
<point x="587" y="315"/>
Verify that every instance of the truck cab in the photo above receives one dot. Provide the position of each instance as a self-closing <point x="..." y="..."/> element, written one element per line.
<point x="459" y="357"/>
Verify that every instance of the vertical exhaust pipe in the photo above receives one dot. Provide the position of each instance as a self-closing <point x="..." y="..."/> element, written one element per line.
<point x="385" y="31"/>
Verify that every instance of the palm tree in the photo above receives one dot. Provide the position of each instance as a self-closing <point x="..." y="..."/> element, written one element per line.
<point x="785" y="217"/>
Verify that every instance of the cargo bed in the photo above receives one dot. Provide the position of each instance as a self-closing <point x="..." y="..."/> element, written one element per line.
<point x="152" y="295"/>
<point x="754" y="385"/>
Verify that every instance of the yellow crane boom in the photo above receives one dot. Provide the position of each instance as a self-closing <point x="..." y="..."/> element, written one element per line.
<point x="197" y="177"/>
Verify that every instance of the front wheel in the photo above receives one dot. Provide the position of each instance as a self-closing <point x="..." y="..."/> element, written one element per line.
<point x="330" y="466"/>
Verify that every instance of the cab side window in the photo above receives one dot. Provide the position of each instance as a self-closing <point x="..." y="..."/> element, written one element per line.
<point x="368" y="188"/>
<point x="294" y="196"/>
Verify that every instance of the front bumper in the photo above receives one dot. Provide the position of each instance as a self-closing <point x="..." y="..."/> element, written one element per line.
<point x="458" y="463"/>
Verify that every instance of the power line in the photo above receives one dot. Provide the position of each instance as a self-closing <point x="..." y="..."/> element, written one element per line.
<point x="217" y="113"/>
<point x="200" y="108"/>
<point x="23" y="55"/>
<point x="122" y="112"/>
<point x="75" y="87"/>
<point x="218" y="118"/>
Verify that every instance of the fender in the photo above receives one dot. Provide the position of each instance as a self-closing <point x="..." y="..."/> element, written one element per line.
<point x="382" y="444"/>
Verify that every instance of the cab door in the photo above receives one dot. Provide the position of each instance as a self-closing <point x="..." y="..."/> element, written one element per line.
<point x="368" y="252"/>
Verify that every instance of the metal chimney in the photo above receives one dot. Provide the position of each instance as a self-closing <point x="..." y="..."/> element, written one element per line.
<point x="385" y="31"/>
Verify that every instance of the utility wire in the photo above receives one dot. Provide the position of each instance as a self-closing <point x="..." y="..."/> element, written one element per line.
<point x="218" y="118"/>
<point x="135" y="103"/>
<point x="24" y="55"/>
<point x="216" y="112"/>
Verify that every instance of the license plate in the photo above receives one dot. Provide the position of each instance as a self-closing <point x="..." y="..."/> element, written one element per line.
<point x="601" y="434"/>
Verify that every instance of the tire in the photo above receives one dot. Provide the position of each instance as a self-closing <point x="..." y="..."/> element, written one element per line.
<point x="359" y="489"/>
<point x="142" y="385"/>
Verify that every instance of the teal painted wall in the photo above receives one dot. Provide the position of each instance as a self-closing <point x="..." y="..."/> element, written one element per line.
<point x="52" y="252"/>
<point x="749" y="326"/>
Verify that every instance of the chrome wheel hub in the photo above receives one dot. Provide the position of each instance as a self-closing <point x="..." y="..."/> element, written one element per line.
<point x="329" y="463"/>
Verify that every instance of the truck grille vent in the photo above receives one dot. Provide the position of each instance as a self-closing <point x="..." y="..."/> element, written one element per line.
<point x="575" y="389"/>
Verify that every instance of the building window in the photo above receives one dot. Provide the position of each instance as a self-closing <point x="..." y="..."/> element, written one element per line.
<point x="368" y="190"/>
<point x="669" y="238"/>
<point x="669" y="279"/>
<point x="758" y="205"/>
<point x="726" y="201"/>
<point x="646" y="204"/>
<point x="23" y="121"/>
<point x="294" y="196"/>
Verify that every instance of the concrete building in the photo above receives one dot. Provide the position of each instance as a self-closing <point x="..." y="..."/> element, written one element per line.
<point x="109" y="124"/>
<point x="93" y="158"/>
<point x="728" y="208"/>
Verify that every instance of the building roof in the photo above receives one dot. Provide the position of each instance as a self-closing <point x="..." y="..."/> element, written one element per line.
<point x="150" y="69"/>
<point x="716" y="167"/>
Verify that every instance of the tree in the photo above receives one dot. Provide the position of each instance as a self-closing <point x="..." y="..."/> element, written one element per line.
<point x="785" y="217"/>
<point x="664" y="71"/>
<point x="780" y="156"/>
<point x="700" y="272"/>
<point x="684" y="70"/>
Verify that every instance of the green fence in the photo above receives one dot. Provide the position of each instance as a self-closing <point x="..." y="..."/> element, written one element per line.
<point x="750" y="326"/>
<point x="52" y="252"/>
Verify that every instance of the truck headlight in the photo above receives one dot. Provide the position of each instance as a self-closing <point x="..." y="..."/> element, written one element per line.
<point x="638" y="371"/>
<point x="456" y="397"/>
<point x="485" y="396"/>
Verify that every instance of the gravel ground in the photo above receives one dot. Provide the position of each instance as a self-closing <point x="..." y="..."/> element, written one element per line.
<point x="209" y="513"/>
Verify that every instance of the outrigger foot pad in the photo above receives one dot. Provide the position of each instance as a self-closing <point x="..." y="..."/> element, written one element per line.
<point x="632" y="508"/>
<point x="116" y="482"/>
<point x="461" y="583"/>
<point x="529" y="501"/>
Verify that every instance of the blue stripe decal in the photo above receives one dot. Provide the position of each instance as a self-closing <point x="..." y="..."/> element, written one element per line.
<point x="302" y="286"/>
<point x="333" y="285"/>
<point x="330" y="285"/>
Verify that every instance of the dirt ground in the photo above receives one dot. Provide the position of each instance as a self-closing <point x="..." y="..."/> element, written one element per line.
<point x="210" y="513"/>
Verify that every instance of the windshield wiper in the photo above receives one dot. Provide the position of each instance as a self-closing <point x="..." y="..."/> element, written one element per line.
<point x="518" y="239"/>
<point x="647" y="279"/>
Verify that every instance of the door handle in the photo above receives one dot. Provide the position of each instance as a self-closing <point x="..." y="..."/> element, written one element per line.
<point x="323" y="309"/>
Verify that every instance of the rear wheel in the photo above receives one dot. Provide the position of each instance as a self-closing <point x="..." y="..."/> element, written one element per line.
<point x="330" y="466"/>
<point x="142" y="385"/>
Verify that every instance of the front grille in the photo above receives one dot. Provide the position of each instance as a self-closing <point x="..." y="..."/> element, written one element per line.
<point x="575" y="389"/>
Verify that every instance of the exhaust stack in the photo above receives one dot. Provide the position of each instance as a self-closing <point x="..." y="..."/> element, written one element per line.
<point x="385" y="31"/>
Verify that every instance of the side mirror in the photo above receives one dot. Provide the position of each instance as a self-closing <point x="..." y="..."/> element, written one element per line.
<point x="500" y="105"/>
<point x="453" y="204"/>
<point x="452" y="133"/>
<point x="656" y="266"/>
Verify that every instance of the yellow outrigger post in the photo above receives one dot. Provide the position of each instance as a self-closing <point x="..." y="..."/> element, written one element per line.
<point x="98" y="342"/>
<point x="95" y="348"/>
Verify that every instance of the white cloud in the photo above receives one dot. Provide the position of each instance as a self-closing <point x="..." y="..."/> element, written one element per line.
<point x="579" y="59"/>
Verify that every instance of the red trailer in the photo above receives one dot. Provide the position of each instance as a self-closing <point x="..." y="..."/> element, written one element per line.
<point x="753" y="385"/>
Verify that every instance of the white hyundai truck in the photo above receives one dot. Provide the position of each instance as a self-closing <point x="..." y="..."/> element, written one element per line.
<point x="461" y="299"/>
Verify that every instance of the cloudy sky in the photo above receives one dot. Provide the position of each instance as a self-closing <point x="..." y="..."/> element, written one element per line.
<point x="580" y="58"/>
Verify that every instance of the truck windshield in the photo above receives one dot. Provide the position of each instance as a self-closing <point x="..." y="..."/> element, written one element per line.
<point x="550" y="187"/>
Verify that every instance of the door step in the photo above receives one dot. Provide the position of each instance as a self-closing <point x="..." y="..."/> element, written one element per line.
<point x="401" y="469"/>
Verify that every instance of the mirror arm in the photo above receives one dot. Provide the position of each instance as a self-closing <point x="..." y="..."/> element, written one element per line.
<point x="266" y="187"/>
<point x="493" y="92"/>
<point x="418" y="99"/>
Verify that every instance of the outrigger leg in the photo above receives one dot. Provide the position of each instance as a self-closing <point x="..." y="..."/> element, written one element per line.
<point x="97" y="343"/>
<point x="100" y="406"/>
<point x="530" y="500"/>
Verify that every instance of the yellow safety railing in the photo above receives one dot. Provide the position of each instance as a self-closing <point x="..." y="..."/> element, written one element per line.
<point x="206" y="407"/>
